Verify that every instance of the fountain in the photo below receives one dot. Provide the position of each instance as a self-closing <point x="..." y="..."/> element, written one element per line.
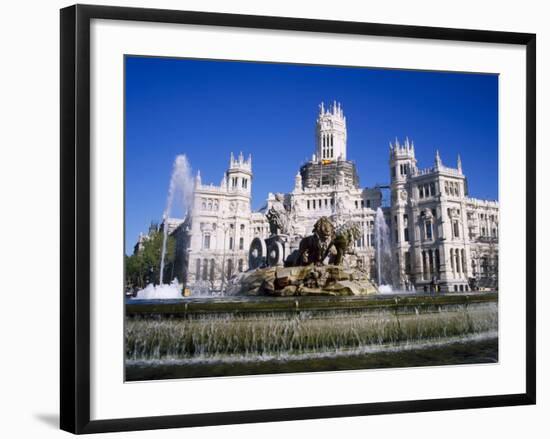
<point x="181" y="186"/>
<point x="180" y="193"/>
<point x="383" y="253"/>
<point x="305" y="305"/>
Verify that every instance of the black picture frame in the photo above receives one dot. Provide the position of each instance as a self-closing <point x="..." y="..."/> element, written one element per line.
<point x="75" y="217"/>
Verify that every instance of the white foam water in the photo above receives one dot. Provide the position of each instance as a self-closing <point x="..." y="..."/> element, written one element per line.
<point x="163" y="291"/>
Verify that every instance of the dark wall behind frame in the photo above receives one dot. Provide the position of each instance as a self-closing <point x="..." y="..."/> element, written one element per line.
<point x="75" y="217"/>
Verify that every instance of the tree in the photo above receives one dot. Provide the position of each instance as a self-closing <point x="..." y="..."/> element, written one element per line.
<point x="143" y="267"/>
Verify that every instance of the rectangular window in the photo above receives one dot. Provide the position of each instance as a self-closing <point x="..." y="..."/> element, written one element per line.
<point x="308" y="204"/>
<point x="421" y="191"/>
<point x="368" y="203"/>
<point x="230" y="243"/>
<point x="356" y="204"/>
<point x="432" y="189"/>
<point x="456" y="230"/>
<point x="406" y="232"/>
<point x="206" y="244"/>
<point x="428" y="230"/>
<point x="241" y="243"/>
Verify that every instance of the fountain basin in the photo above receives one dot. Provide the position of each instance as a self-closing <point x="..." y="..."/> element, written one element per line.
<point x="189" y="306"/>
<point x="248" y="335"/>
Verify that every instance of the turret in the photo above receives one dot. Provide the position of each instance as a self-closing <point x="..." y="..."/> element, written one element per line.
<point x="402" y="160"/>
<point x="238" y="176"/>
<point x="331" y="134"/>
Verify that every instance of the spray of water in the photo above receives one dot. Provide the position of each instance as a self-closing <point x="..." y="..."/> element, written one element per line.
<point x="162" y="291"/>
<point x="179" y="191"/>
<point x="383" y="253"/>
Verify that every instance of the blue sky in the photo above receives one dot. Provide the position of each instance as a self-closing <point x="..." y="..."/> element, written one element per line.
<point x="206" y="109"/>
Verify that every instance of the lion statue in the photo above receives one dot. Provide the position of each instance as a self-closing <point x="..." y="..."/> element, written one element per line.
<point x="314" y="248"/>
<point x="343" y="242"/>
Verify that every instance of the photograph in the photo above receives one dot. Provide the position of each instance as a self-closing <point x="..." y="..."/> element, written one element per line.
<point x="287" y="218"/>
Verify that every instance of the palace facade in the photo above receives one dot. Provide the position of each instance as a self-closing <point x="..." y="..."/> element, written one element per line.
<point x="440" y="237"/>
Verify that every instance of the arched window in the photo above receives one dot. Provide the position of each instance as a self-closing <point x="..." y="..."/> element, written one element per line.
<point x="206" y="241"/>
<point x="241" y="243"/>
<point x="452" y="260"/>
<point x="230" y="243"/>
<point x="205" y="269"/>
<point x="212" y="269"/>
<point x="464" y="266"/>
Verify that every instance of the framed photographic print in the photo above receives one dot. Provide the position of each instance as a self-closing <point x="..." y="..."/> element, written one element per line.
<point x="304" y="218"/>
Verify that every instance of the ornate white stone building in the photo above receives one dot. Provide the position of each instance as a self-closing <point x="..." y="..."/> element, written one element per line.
<point x="440" y="237"/>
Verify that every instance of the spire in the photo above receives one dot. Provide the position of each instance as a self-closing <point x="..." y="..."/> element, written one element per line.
<point x="459" y="164"/>
<point x="437" y="159"/>
<point x="298" y="181"/>
<point x="198" y="178"/>
<point x="322" y="108"/>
